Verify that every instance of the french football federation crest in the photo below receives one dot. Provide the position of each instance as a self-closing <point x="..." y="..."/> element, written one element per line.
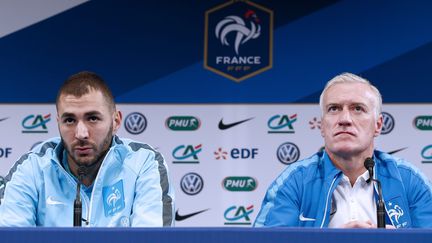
<point x="238" y="40"/>
<point x="113" y="198"/>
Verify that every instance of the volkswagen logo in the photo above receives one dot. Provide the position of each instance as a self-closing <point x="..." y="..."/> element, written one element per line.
<point x="388" y="123"/>
<point x="288" y="153"/>
<point x="191" y="183"/>
<point x="135" y="123"/>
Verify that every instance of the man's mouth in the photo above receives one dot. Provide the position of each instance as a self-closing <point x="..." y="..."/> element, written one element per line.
<point x="344" y="133"/>
<point x="83" y="150"/>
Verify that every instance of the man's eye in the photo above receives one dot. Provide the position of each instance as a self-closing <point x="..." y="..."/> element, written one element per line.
<point x="358" y="108"/>
<point x="68" y="120"/>
<point x="332" y="108"/>
<point x="94" y="118"/>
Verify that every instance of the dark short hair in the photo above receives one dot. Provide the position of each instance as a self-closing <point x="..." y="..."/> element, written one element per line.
<point x="82" y="83"/>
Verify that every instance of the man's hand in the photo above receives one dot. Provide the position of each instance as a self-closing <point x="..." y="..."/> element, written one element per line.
<point x="359" y="224"/>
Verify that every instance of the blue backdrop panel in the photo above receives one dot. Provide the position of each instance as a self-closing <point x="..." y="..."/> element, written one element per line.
<point x="153" y="51"/>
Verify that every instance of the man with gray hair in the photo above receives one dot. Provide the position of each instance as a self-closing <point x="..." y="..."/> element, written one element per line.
<point x="333" y="188"/>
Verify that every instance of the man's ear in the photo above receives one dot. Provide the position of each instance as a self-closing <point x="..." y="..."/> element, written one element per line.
<point x="378" y="125"/>
<point x="117" y="120"/>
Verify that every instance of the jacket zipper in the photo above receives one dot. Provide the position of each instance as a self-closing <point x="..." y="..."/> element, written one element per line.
<point x="96" y="185"/>
<point x="74" y="183"/>
<point x="327" y="201"/>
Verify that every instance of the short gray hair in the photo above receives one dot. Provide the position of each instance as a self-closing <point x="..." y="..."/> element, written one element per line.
<point x="352" y="78"/>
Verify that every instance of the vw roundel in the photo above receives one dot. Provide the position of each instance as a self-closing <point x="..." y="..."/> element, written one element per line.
<point x="135" y="123"/>
<point x="191" y="183"/>
<point x="288" y="153"/>
<point x="388" y="123"/>
<point x="238" y="39"/>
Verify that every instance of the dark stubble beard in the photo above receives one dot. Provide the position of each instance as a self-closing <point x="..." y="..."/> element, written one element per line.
<point x="100" y="150"/>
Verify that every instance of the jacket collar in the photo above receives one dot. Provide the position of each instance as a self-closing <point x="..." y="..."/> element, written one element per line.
<point x="330" y="170"/>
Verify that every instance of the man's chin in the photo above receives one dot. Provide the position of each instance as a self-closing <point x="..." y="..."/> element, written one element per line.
<point x="344" y="150"/>
<point x="84" y="161"/>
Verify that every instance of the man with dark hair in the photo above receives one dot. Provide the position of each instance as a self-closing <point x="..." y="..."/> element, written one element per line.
<point x="124" y="182"/>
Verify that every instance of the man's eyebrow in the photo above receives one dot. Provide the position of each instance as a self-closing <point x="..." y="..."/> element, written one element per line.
<point x="93" y="113"/>
<point x="90" y="113"/>
<point x="332" y="104"/>
<point x="67" y="114"/>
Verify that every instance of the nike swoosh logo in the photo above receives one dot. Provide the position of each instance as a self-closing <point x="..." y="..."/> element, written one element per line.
<point x="303" y="218"/>
<point x="2" y="119"/>
<point x="179" y="217"/>
<point x="51" y="201"/>
<point x="397" y="150"/>
<point x="223" y="126"/>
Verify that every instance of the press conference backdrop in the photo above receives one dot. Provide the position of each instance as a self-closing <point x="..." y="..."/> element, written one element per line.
<point x="220" y="170"/>
<point x="226" y="90"/>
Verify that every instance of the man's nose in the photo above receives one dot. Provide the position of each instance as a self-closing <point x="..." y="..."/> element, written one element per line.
<point x="345" y="118"/>
<point x="81" y="131"/>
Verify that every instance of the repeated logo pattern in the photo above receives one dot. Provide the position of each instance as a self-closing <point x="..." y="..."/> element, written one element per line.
<point x="237" y="162"/>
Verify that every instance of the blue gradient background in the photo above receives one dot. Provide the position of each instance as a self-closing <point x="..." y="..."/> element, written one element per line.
<point x="152" y="52"/>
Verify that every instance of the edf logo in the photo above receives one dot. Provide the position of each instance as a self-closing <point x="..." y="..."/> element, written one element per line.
<point x="237" y="153"/>
<point x="186" y="154"/>
<point x="36" y="123"/>
<point x="238" y="215"/>
<point x="5" y="152"/>
<point x="281" y="123"/>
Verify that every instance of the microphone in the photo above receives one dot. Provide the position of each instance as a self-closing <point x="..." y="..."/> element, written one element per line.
<point x="369" y="165"/>
<point x="77" y="213"/>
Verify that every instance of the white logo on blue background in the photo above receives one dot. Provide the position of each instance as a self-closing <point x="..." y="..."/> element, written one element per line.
<point x="113" y="198"/>
<point x="238" y="26"/>
<point x="396" y="213"/>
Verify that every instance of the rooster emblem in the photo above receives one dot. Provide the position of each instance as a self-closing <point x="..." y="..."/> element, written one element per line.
<point x="236" y="25"/>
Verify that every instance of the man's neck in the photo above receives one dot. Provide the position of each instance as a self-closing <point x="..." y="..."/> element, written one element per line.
<point x="90" y="172"/>
<point x="351" y="166"/>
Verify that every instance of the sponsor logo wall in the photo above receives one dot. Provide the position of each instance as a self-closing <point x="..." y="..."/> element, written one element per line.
<point x="222" y="158"/>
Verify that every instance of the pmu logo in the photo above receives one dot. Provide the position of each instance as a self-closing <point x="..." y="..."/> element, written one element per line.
<point x="239" y="183"/>
<point x="36" y="123"/>
<point x="238" y="40"/>
<point x="191" y="183"/>
<point x="238" y="215"/>
<point x="186" y="154"/>
<point x="182" y="123"/>
<point x="388" y="123"/>
<point x="135" y="123"/>
<point x="426" y="154"/>
<point x="288" y="153"/>
<point x="281" y="123"/>
<point x="423" y="122"/>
